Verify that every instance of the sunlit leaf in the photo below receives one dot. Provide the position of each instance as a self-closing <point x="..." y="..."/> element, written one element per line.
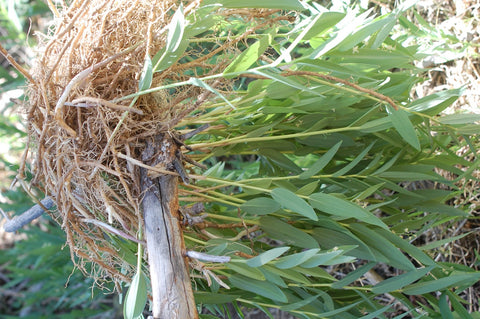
<point x="295" y="259"/>
<point x="267" y="256"/>
<point x="243" y="61"/>
<point x="136" y="297"/>
<point x="271" y="4"/>
<point x="321" y="258"/>
<point x="458" y="119"/>
<point x="435" y="103"/>
<point x="175" y="30"/>
<point x="146" y="76"/>
<point x="403" y="126"/>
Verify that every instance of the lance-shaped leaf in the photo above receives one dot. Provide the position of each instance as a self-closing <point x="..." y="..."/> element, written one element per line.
<point x="146" y="76"/>
<point x="339" y="207"/>
<point x="243" y="61"/>
<point x="291" y="201"/>
<point x="262" y="288"/>
<point x="175" y="42"/>
<point x="453" y="280"/>
<point x="321" y="162"/>
<point x="295" y="259"/>
<point x="175" y="30"/>
<point x="270" y="4"/>
<point x="404" y="127"/>
<point x="398" y="282"/>
<point x="136" y="297"/>
<point x="267" y="256"/>
<point x="280" y="230"/>
<point x="200" y="83"/>
<point x="260" y="206"/>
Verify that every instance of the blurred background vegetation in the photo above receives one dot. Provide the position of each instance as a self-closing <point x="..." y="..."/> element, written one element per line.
<point x="37" y="276"/>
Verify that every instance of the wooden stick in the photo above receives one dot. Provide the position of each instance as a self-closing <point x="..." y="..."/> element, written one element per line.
<point x="172" y="293"/>
<point x="27" y="217"/>
<point x="15" y="64"/>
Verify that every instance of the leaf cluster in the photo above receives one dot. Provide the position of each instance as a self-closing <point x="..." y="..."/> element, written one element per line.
<point x="324" y="161"/>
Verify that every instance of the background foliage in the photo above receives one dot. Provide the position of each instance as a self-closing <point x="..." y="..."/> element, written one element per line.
<point x="314" y="186"/>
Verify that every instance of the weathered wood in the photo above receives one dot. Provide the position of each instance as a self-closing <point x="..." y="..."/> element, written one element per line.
<point x="25" y="218"/>
<point x="171" y="286"/>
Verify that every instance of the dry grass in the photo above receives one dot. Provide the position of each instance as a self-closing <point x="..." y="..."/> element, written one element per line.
<point x="87" y="132"/>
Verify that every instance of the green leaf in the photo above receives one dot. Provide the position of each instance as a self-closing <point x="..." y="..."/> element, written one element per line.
<point x="403" y="176"/>
<point x="280" y="230"/>
<point x="442" y="283"/>
<point x="339" y="207"/>
<point x="442" y="242"/>
<point x="291" y="201"/>
<point x="444" y="308"/>
<point x="403" y="126"/>
<point x="163" y="59"/>
<point x="295" y="259"/>
<point x="459" y="119"/>
<point x="435" y="103"/>
<point x="290" y="274"/>
<point x="243" y="61"/>
<point x="355" y="161"/>
<point x="270" y="4"/>
<point x="375" y="240"/>
<point x="200" y="83"/>
<point x="260" y="206"/>
<point x="325" y="23"/>
<point x="147" y="75"/>
<point x="376" y="314"/>
<point x="266" y="257"/>
<point x="321" y="259"/>
<point x="308" y="189"/>
<point x="262" y="288"/>
<point x="398" y="282"/>
<point x="213" y="298"/>
<point x="246" y="271"/>
<point x="366" y="30"/>
<point x="286" y="81"/>
<point x="176" y="28"/>
<point x="459" y="308"/>
<point x="175" y="45"/>
<point x="354" y="275"/>
<point x="136" y="297"/>
<point x="408" y="248"/>
<point x="321" y="162"/>
<point x="281" y="160"/>
<point x="300" y="304"/>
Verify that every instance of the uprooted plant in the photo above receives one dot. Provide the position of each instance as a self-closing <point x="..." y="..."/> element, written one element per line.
<point x="306" y="120"/>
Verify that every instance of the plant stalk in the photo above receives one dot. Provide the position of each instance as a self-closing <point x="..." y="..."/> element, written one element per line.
<point x="172" y="291"/>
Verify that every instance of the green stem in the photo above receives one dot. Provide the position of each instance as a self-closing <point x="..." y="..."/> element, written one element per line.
<point x="214" y="199"/>
<point x="244" y="139"/>
<point x="234" y="219"/>
<point x="195" y="240"/>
